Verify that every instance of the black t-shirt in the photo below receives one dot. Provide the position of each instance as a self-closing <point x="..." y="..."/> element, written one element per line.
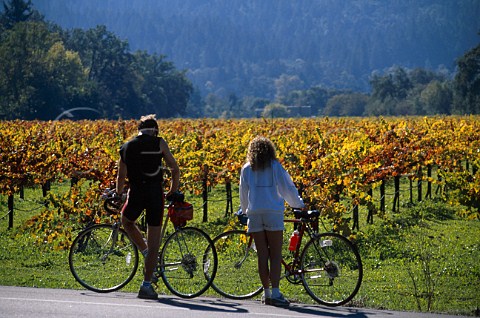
<point x="143" y="159"/>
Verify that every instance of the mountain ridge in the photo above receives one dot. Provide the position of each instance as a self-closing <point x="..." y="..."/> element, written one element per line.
<point x="244" y="46"/>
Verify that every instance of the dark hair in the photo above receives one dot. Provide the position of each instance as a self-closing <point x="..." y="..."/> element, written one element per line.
<point x="261" y="152"/>
<point x="148" y="121"/>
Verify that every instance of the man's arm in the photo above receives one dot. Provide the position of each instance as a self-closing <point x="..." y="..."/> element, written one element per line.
<point x="121" y="175"/>
<point x="172" y="164"/>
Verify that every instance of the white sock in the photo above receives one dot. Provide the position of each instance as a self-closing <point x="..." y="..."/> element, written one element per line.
<point x="275" y="292"/>
<point x="267" y="293"/>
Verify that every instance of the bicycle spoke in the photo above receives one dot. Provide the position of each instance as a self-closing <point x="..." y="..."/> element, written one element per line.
<point x="237" y="266"/>
<point x="331" y="269"/>
<point x="98" y="260"/>
<point x="188" y="262"/>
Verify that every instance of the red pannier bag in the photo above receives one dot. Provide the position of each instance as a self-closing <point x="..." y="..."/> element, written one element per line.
<point x="180" y="212"/>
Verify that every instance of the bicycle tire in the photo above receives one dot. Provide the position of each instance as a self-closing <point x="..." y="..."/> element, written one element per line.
<point x="179" y="264"/>
<point x="331" y="269"/>
<point x="100" y="265"/>
<point x="237" y="276"/>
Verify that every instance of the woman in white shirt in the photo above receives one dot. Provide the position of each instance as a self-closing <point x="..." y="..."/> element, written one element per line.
<point x="264" y="186"/>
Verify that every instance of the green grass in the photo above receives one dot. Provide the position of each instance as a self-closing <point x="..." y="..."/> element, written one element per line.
<point x="421" y="258"/>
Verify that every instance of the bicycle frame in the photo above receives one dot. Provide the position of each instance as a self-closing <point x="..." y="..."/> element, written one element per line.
<point x="303" y="226"/>
<point x="326" y="263"/>
<point x="293" y="268"/>
<point x="187" y="260"/>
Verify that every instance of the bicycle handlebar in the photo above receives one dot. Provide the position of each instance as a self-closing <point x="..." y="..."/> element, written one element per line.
<point x="113" y="205"/>
<point x="310" y="214"/>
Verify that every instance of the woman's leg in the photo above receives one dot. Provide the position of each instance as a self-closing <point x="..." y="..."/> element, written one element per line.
<point x="261" y="244"/>
<point x="275" y="241"/>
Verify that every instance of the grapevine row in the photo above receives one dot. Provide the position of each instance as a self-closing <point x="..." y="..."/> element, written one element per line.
<point x="326" y="157"/>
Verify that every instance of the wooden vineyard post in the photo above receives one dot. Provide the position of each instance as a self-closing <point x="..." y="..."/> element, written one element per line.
<point x="429" y="183"/>
<point x="229" y="206"/>
<point x="396" y="197"/>
<point x="10" y="211"/>
<point x="45" y="188"/>
<point x="419" y="184"/>
<point x="205" y="193"/>
<point x="411" y="190"/>
<point x="355" y="218"/>
<point x="371" y="208"/>
<point x="382" y="197"/>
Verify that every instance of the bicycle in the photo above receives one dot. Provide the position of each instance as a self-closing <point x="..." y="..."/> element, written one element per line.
<point x="104" y="259"/>
<point x="329" y="266"/>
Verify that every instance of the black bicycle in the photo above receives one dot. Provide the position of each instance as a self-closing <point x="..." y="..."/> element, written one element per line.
<point x="328" y="265"/>
<point x="104" y="259"/>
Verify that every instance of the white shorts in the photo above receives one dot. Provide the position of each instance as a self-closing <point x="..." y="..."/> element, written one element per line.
<point x="268" y="221"/>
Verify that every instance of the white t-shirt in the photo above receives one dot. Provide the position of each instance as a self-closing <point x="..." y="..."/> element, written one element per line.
<point x="267" y="189"/>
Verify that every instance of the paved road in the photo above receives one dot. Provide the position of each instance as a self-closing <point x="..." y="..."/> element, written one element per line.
<point x="61" y="303"/>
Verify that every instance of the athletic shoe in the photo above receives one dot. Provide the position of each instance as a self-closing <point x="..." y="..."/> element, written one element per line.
<point x="278" y="301"/>
<point x="266" y="300"/>
<point x="147" y="292"/>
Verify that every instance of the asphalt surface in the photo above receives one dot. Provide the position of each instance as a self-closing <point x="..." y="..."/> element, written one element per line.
<point x="61" y="303"/>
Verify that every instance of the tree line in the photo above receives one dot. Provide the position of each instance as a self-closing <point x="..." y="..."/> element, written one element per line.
<point x="46" y="70"/>
<point x="398" y="92"/>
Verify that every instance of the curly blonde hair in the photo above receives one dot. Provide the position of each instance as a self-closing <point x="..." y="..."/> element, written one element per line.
<point x="261" y="152"/>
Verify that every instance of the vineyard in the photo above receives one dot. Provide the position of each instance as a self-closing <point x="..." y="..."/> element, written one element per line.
<point x="332" y="160"/>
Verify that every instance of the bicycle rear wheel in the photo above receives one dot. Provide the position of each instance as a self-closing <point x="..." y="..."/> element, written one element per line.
<point x="103" y="259"/>
<point x="332" y="270"/>
<point x="188" y="262"/>
<point x="237" y="276"/>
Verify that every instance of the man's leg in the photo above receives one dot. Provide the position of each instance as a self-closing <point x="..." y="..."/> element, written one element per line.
<point x="134" y="233"/>
<point x="153" y="239"/>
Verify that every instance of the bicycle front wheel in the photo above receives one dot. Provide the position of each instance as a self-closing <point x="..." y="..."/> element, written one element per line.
<point x="332" y="270"/>
<point x="103" y="259"/>
<point x="237" y="276"/>
<point x="188" y="262"/>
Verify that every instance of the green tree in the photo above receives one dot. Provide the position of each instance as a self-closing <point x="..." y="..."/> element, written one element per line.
<point x="215" y="106"/>
<point x="437" y="98"/>
<point x="275" y="110"/>
<point x="165" y="90"/>
<point x="315" y="97"/>
<point x="346" y="105"/>
<point x="108" y="64"/>
<point x="467" y="83"/>
<point x="16" y="11"/>
<point x="396" y="84"/>
<point x="128" y="84"/>
<point x="286" y="83"/>
<point x="38" y="76"/>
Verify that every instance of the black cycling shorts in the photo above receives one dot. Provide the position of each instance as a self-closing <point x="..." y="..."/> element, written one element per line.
<point x="148" y="197"/>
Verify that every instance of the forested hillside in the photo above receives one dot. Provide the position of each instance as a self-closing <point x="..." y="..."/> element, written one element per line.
<point x="249" y="47"/>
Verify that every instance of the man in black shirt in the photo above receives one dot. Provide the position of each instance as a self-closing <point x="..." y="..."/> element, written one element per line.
<point x="141" y="161"/>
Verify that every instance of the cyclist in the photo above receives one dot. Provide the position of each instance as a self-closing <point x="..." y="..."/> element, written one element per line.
<point x="264" y="186"/>
<point x="141" y="161"/>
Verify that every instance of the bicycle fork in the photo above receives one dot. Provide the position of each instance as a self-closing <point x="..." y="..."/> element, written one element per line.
<point x="250" y="246"/>
<point x="329" y="266"/>
<point x="113" y="238"/>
